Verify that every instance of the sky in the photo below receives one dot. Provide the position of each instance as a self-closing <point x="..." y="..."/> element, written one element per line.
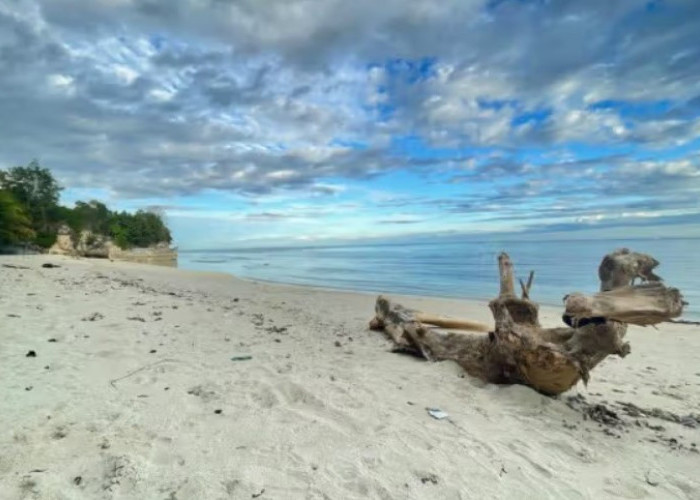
<point x="294" y="121"/>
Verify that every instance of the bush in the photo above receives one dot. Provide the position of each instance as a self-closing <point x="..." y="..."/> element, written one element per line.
<point x="15" y="225"/>
<point x="45" y="240"/>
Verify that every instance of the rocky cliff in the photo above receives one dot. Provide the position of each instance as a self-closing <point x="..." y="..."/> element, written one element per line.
<point x="93" y="245"/>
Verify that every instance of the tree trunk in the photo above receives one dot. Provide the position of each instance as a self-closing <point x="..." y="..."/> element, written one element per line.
<point x="518" y="350"/>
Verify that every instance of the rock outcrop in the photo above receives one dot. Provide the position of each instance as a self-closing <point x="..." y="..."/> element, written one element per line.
<point x="99" y="246"/>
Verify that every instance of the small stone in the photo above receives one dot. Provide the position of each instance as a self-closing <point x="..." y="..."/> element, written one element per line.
<point x="430" y="478"/>
<point x="28" y="388"/>
<point x="152" y="351"/>
<point x="77" y="480"/>
<point x="338" y="344"/>
<point x="52" y="340"/>
<point x="652" y="478"/>
<point x="218" y="411"/>
<point x="31" y="354"/>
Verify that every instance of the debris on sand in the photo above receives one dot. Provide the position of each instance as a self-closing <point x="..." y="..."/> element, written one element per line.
<point x="14" y="266"/>
<point x="93" y="317"/>
<point x="429" y="478"/>
<point x="613" y="424"/>
<point x="633" y="410"/>
<point x="244" y="357"/>
<point x="49" y="265"/>
<point x="31" y="354"/>
<point x="437" y="413"/>
<point x="258" y="319"/>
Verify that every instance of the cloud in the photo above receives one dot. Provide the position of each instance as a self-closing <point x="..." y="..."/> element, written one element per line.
<point x="562" y="104"/>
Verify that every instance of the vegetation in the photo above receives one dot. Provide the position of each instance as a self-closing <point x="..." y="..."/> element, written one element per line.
<point x="15" y="226"/>
<point x="30" y="213"/>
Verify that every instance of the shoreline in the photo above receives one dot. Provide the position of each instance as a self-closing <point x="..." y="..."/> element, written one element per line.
<point x="151" y="381"/>
<point x="688" y="319"/>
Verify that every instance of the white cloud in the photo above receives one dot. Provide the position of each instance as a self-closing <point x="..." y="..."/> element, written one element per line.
<point x="125" y="74"/>
<point x="263" y="99"/>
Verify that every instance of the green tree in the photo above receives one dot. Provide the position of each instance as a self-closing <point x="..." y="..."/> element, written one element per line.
<point x="36" y="189"/>
<point x="15" y="226"/>
<point x="141" y="229"/>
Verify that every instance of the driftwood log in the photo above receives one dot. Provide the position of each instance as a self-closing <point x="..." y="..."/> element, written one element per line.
<point x="517" y="350"/>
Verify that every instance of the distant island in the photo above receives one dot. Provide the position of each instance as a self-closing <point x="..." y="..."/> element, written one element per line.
<point x="31" y="219"/>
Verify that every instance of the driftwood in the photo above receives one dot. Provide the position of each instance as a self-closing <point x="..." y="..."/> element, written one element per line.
<point x="517" y="349"/>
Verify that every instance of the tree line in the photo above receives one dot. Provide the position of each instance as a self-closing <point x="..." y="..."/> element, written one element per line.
<point x="30" y="214"/>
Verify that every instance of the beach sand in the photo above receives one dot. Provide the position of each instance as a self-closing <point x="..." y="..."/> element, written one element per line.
<point x="132" y="394"/>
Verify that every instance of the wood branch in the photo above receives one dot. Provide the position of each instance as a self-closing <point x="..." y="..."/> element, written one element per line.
<point x="458" y="323"/>
<point x="518" y="350"/>
<point x="505" y="271"/>
<point x="526" y="288"/>
<point x="646" y="304"/>
<point x="621" y="267"/>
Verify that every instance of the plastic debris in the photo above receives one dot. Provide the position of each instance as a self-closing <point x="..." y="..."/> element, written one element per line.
<point x="437" y="413"/>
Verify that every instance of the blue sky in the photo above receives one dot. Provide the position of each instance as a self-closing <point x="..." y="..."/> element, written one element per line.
<point x="289" y="121"/>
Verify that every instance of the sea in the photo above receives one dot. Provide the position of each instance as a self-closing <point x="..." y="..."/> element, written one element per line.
<point x="452" y="267"/>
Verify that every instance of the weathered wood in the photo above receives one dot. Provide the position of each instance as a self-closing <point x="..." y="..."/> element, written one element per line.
<point x="505" y="271"/>
<point x="518" y="350"/>
<point x="526" y="288"/>
<point x="621" y="267"/>
<point x="445" y="322"/>
<point x="646" y="304"/>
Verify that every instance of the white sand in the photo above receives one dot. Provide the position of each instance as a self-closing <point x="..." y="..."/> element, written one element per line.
<point x="304" y="418"/>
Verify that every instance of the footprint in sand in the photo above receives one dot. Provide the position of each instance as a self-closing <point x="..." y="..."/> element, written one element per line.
<point x="162" y="453"/>
<point x="205" y="392"/>
<point x="264" y="396"/>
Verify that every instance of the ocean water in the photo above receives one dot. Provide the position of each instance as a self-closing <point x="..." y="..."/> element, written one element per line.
<point x="453" y="267"/>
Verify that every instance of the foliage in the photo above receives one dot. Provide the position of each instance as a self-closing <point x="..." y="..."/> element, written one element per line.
<point x="15" y="225"/>
<point x="29" y="212"/>
<point x="138" y="230"/>
<point x="36" y="190"/>
<point x="45" y="239"/>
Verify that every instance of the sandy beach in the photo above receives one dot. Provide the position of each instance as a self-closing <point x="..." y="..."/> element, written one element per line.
<point x="118" y="383"/>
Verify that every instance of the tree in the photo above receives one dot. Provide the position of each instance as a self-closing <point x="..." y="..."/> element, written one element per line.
<point x="138" y="230"/>
<point x="36" y="189"/>
<point x="15" y="226"/>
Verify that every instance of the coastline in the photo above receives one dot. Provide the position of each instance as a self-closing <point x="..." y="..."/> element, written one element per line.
<point x="321" y="410"/>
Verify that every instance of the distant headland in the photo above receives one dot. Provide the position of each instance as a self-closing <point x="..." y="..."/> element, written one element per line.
<point x="32" y="220"/>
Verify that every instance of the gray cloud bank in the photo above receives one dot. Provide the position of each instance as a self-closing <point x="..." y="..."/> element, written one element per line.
<point x="159" y="98"/>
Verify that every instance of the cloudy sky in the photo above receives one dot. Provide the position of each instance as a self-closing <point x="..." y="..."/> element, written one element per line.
<point x="302" y="120"/>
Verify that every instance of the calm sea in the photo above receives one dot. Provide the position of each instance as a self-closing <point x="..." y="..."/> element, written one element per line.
<point x="453" y="267"/>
